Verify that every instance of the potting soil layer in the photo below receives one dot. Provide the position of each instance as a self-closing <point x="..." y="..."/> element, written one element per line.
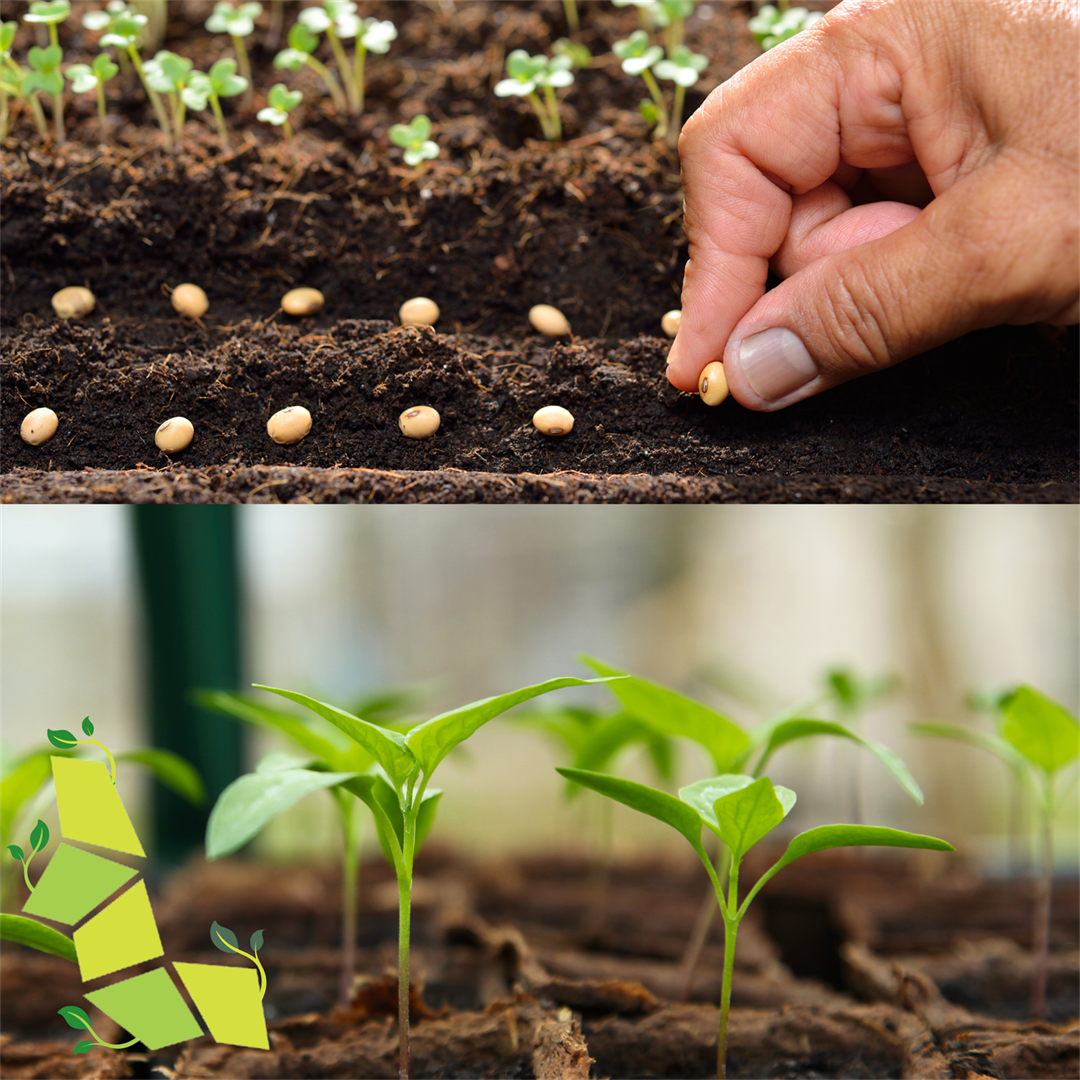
<point x="848" y="965"/>
<point x="498" y="223"/>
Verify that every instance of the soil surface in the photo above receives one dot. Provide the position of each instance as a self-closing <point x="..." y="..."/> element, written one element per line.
<point x="535" y="968"/>
<point x="498" y="223"/>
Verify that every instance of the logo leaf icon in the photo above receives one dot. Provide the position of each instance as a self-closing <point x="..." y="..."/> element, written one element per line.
<point x="40" y="836"/>
<point x="256" y="941"/>
<point x="75" y="1017"/>
<point x="16" y="852"/>
<point x="87" y="726"/>
<point x="223" y="937"/>
<point x="61" y="738"/>
<point x="84" y="1047"/>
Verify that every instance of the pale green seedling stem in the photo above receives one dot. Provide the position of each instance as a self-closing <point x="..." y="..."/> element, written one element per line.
<point x="155" y="99"/>
<point x="359" y="58"/>
<point x="219" y="117"/>
<point x="658" y="100"/>
<point x="58" y="100"/>
<point x="675" y="126"/>
<point x="350" y="838"/>
<point x="572" y="21"/>
<point x="347" y="76"/>
<point x="332" y="84"/>
<point x="244" y="64"/>
<point x="553" y="113"/>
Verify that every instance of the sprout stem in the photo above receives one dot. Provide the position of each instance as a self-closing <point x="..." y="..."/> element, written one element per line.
<point x="58" y="117"/>
<point x="3" y="113"/>
<point x="731" y="930"/>
<point x="1040" y="944"/>
<point x="343" y="67"/>
<point x="658" y="98"/>
<point x="570" y="7"/>
<point x="288" y="131"/>
<point x="553" y="112"/>
<point x="112" y="1046"/>
<point x="332" y="84"/>
<point x="404" y="920"/>
<point x="676" y="117"/>
<point x="155" y="100"/>
<point x="350" y="868"/>
<point x="359" y="58"/>
<point x="219" y="118"/>
<point x="245" y="66"/>
<point x="545" y="120"/>
<point x="39" y="116"/>
<point x="101" y="110"/>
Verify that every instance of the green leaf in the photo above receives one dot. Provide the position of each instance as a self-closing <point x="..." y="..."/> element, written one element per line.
<point x="87" y="726"/>
<point x="172" y="770"/>
<point x="992" y="743"/>
<point x="1045" y="733"/>
<point x="826" y="837"/>
<point x="248" y="804"/>
<point x="61" y="738"/>
<point x="747" y="815"/>
<point x="84" y="1047"/>
<point x="16" y="852"/>
<point x="425" y="816"/>
<point x="673" y="714"/>
<point x="387" y="747"/>
<point x="39" y="838"/>
<point x="223" y="937"/>
<point x="103" y="67"/>
<point x="374" y="790"/>
<point x="75" y="1017"/>
<point x="432" y="741"/>
<point x="790" y="730"/>
<point x="35" y="935"/>
<point x="256" y="941"/>
<point x="647" y="800"/>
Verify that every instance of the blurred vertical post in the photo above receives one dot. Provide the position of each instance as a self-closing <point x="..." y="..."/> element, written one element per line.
<point x="190" y="590"/>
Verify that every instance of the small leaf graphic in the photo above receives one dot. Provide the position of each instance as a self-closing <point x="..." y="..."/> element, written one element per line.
<point x="16" y="852"/>
<point x="256" y="941"/>
<point x="222" y="937"/>
<point x="87" y="726"/>
<point x="39" y="838"/>
<point x="84" y="1047"/>
<point x="75" y="1017"/>
<point x="60" y="737"/>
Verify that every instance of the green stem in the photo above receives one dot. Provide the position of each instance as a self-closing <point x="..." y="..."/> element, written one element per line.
<point x="38" y="114"/>
<point x="244" y="64"/>
<point x="332" y="85"/>
<point x="26" y="868"/>
<point x="3" y="114"/>
<point x="359" y="59"/>
<point x="219" y="118"/>
<point x="1040" y="944"/>
<point x="288" y="131"/>
<point x="343" y="67"/>
<point x="101" y="746"/>
<point x="179" y="111"/>
<point x="112" y="1046"/>
<point x="58" y="117"/>
<point x="101" y="110"/>
<point x="570" y="7"/>
<point x="404" y="920"/>
<point x="155" y="100"/>
<point x="674" y="34"/>
<point x="350" y="867"/>
<point x="658" y="98"/>
<point x="706" y="915"/>
<point x="553" y="112"/>
<point x="676" y="117"/>
<point x="731" y="930"/>
<point x="545" y="122"/>
<point x="254" y="959"/>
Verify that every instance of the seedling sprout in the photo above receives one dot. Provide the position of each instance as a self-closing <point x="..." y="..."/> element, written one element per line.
<point x="413" y="138"/>
<point x="87" y="77"/>
<point x="221" y="82"/>
<point x="772" y="25"/>
<point x="302" y="43"/>
<point x="282" y="101"/>
<point x="637" y="57"/>
<point x="125" y="32"/>
<point x="527" y="74"/>
<point x="397" y="793"/>
<point x="225" y="940"/>
<point x="45" y="63"/>
<point x="1038" y="739"/>
<point x="740" y="811"/>
<point x="239" y="23"/>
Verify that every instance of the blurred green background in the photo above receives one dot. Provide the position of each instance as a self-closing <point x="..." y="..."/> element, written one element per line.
<point x="110" y="611"/>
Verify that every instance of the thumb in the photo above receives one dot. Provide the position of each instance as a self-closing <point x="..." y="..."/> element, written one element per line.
<point x="963" y="263"/>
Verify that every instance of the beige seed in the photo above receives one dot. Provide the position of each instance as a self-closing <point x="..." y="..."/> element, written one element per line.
<point x="670" y="322"/>
<point x="190" y="300"/>
<point x="73" y="302"/>
<point x="549" y="320"/>
<point x="174" y="435"/>
<point x="712" y="384"/>
<point x="289" y="425"/>
<point x="419" y="422"/>
<point x="419" y="311"/>
<point x="553" y="420"/>
<point x="302" y="301"/>
<point x="39" y="426"/>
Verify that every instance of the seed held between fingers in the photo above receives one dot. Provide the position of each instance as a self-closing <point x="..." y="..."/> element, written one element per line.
<point x="190" y="300"/>
<point x="174" y="435"/>
<point x="549" y="320"/>
<point x="290" y="425"/>
<point x="670" y="322"/>
<point x="419" y="422"/>
<point x="39" y="426"/>
<point x="302" y="301"/>
<point x="553" y="420"/>
<point x="419" y="311"/>
<point x="73" y="302"/>
<point x="712" y="384"/>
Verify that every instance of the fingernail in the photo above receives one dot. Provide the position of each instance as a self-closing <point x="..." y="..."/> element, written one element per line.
<point x="776" y="363"/>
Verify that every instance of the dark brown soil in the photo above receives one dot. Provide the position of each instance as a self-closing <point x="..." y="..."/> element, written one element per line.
<point x="497" y="224"/>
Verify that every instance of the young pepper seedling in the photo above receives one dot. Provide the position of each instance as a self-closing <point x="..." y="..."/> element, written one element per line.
<point x="740" y="811"/>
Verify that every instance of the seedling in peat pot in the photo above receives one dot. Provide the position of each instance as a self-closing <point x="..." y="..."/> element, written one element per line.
<point x="772" y="25"/>
<point x="280" y="780"/>
<point x="740" y="811"/>
<point x="221" y="82"/>
<point x="87" y="77"/>
<point x="238" y="23"/>
<point x="1038" y="739"/>
<point x="413" y="139"/>
<point x="397" y="793"/>
<point x="527" y="73"/>
<point x="281" y="103"/>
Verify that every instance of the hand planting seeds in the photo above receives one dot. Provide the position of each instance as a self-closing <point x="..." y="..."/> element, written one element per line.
<point x="288" y="426"/>
<point x="174" y="435"/>
<point x="302" y="302"/>
<point x="190" y="300"/>
<point x="39" y="426"/>
<point x="73" y="302"/>
<point x="549" y="320"/>
<point x="553" y="420"/>
<point x="419" y="311"/>
<point x="419" y="422"/>
<point x="712" y="386"/>
<point x="670" y="322"/>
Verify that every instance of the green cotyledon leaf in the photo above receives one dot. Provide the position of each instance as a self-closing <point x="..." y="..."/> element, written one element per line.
<point x="738" y="808"/>
<point x="35" y="935"/>
<point x="1044" y="732"/>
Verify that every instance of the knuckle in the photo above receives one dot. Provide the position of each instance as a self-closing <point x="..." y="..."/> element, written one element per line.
<point x="856" y="324"/>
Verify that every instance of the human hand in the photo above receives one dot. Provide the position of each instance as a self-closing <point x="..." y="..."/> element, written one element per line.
<point x="958" y="119"/>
